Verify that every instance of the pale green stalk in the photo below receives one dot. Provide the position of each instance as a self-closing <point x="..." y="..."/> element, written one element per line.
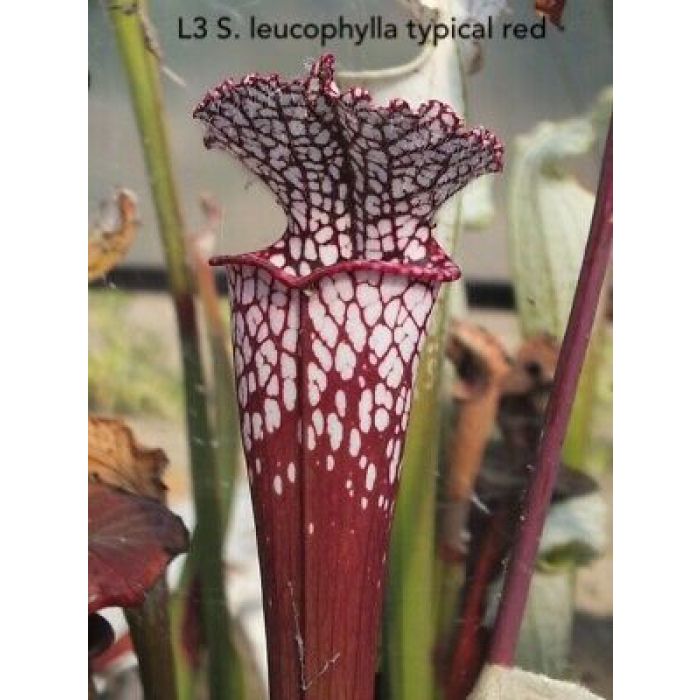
<point x="409" y="619"/>
<point x="140" y="64"/>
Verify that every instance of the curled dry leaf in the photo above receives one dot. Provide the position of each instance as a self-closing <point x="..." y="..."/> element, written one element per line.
<point x="115" y="458"/>
<point x="534" y="366"/>
<point x="481" y="364"/>
<point x="524" y="397"/>
<point x="131" y="540"/>
<point x="111" y="238"/>
<point x="479" y="358"/>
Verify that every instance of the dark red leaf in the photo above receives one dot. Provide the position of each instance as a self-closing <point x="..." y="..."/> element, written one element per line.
<point x="131" y="539"/>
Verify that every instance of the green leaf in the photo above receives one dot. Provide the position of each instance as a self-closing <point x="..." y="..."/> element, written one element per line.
<point x="549" y="215"/>
<point x="574" y="533"/>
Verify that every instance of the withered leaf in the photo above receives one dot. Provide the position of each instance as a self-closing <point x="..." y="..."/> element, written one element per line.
<point x="107" y="243"/>
<point x="131" y="540"/>
<point x="481" y="363"/>
<point x="534" y="366"/>
<point x="114" y="457"/>
<point x="479" y="358"/>
<point x="525" y="392"/>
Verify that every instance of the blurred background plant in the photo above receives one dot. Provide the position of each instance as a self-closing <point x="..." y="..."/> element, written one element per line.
<point x="449" y="541"/>
<point x="128" y="374"/>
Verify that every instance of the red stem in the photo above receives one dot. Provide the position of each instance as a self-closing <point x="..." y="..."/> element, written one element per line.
<point x="470" y="647"/>
<point x="573" y="351"/>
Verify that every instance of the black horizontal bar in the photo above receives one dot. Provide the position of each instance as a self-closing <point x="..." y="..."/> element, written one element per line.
<point x="482" y="294"/>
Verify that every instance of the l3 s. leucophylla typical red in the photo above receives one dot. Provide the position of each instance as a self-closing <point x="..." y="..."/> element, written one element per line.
<point x="328" y="325"/>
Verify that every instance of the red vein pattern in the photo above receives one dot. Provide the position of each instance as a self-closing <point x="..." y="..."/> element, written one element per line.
<point x="328" y="324"/>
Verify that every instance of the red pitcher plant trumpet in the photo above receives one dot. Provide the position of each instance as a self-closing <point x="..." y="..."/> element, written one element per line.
<point x="328" y="323"/>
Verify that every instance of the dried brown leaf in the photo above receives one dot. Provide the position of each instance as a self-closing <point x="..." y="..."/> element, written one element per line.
<point x="534" y="366"/>
<point x="115" y="458"/>
<point x="108" y="244"/>
<point x="479" y="358"/>
<point x="481" y="363"/>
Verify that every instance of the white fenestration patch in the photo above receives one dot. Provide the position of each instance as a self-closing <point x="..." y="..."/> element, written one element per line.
<point x="335" y="431"/>
<point x="288" y="369"/>
<point x="317" y="383"/>
<point x="367" y="295"/>
<point x="276" y="317"/>
<point x="380" y="340"/>
<point x="248" y="291"/>
<point x="391" y="369"/>
<point x="273" y="419"/>
<point x="253" y="319"/>
<point x="382" y="397"/>
<point x="277" y="485"/>
<point x="345" y="361"/>
<point x="340" y="403"/>
<point x="330" y="463"/>
<point x="329" y="254"/>
<point x="355" y="328"/>
<point x="370" y="476"/>
<point x="365" y="409"/>
<point x="317" y="420"/>
<point x="257" y="423"/>
<point x="290" y="394"/>
<point x="310" y="438"/>
<point x="329" y="331"/>
<point x="406" y="337"/>
<point x="291" y="472"/>
<point x="381" y="419"/>
<point x="289" y="339"/>
<point x="355" y="442"/>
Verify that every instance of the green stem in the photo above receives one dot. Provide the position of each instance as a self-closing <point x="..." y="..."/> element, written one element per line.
<point x="129" y="21"/>
<point x="227" y="447"/>
<point x="409" y="620"/>
<point x="149" y="626"/>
